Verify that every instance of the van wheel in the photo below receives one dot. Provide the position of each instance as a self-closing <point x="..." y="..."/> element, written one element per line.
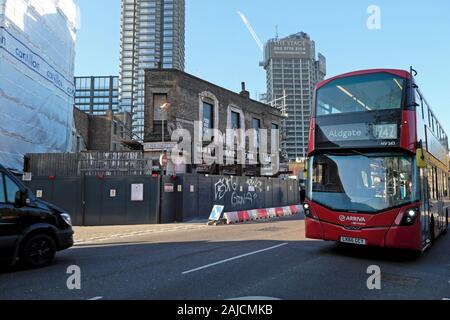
<point x="38" y="251"/>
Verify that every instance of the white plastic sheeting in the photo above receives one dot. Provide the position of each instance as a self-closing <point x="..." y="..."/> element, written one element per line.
<point x="37" y="51"/>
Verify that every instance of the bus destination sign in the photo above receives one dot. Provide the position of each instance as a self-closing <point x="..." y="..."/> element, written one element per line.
<point x="385" y="134"/>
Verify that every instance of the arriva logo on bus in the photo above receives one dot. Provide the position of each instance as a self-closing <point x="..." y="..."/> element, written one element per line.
<point x="352" y="219"/>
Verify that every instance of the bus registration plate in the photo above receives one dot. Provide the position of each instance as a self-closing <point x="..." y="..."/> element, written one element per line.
<point x="361" y="242"/>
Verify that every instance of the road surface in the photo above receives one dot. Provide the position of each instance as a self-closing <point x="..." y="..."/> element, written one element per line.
<point x="271" y="260"/>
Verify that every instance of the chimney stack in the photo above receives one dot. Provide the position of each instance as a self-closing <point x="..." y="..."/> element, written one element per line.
<point x="244" y="92"/>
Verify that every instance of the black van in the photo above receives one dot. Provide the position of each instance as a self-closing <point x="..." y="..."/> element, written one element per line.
<point x="31" y="230"/>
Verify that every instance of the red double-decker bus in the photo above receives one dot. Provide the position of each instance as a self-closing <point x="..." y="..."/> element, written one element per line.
<point x="378" y="165"/>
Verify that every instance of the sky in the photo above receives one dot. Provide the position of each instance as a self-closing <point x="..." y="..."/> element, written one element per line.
<point x="220" y="49"/>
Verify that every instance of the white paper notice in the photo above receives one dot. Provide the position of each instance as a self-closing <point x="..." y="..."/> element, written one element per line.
<point x="137" y="192"/>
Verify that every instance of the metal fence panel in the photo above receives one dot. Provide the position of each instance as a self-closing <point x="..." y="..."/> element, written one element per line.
<point x="205" y="196"/>
<point x="291" y="192"/>
<point x="169" y="197"/>
<point x="277" y="193"/>
<point x="269" y="194"/>
<point x="114" y="197"/>
<point x="284" y="193"/>
<point x="93" y="201"/>
<point x="190" y="198"/>
<point x="67" y="194"/>
<point x="146" y="211"/>
<point x="259" y="193"/>
<point x="297" y="193"/>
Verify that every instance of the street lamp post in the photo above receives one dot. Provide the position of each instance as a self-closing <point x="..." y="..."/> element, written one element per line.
<point x="164" y="109"/>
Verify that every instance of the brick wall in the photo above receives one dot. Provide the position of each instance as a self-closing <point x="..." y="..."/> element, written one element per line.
<point x="100" y="134"/>
<point x="81" y="122"/>
<point x="183" y="92"/>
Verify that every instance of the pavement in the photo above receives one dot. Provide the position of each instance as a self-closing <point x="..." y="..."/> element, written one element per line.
<point x="194" y="261"/>
<point x="107" y="234"/>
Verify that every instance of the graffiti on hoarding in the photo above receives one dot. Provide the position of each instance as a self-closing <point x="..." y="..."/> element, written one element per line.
<point x="224" y="186"/>
<point x="238" y="199"/>
<point x="239" y="196"/>
<point x="254" y="185"/>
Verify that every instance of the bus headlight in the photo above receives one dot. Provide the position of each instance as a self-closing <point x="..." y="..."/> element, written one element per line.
<point x="412" y="213"/>
<point x="307" y="209"/>
<point x="410" y="217"/>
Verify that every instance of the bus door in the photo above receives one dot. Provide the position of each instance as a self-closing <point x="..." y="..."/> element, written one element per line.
<point x="434" y="203"/>
<point x="425" y="205"/>
<point x="441" y="200"/>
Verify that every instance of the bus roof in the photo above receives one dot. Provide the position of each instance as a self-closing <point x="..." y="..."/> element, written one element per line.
<point x="400" y="73"/>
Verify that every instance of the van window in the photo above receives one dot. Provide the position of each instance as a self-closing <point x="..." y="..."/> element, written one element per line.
<point x="2" y="189"/>
<point x="11" y="190"/>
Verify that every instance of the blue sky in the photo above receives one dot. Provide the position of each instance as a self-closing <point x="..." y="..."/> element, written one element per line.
<point x="220" y="49"/>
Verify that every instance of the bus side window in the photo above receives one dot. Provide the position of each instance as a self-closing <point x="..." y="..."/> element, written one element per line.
<point x="420" y="103"/>
<point x="445" y="185"/>
<point x="436" y="184"/>
<point x="432" y="183"/>
<point x="429" y="119"/>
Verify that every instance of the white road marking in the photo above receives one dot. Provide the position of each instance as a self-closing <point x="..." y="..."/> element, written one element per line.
<point x="139" y="233"/>
<point x="95" y="298"/>
<point x="90" y="246"/>
<point x="255" y="299"/>
<point x="235" y="258"/>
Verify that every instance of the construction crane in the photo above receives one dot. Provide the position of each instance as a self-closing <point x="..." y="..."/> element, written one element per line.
<point x="252" y="31"/>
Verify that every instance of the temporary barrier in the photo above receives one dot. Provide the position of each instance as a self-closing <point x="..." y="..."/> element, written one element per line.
<point x="262" y="214"/>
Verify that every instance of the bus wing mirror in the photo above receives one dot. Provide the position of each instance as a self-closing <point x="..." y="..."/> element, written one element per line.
<point x="421" y="161"/>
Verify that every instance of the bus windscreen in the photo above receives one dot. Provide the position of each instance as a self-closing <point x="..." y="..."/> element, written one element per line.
<point x="362" y="183"/>
<point x="362" y="93"/>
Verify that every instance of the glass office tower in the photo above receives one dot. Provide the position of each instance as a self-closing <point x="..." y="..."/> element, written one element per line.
<point x="152" y="36"/>
<point x="96" y="95"/>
